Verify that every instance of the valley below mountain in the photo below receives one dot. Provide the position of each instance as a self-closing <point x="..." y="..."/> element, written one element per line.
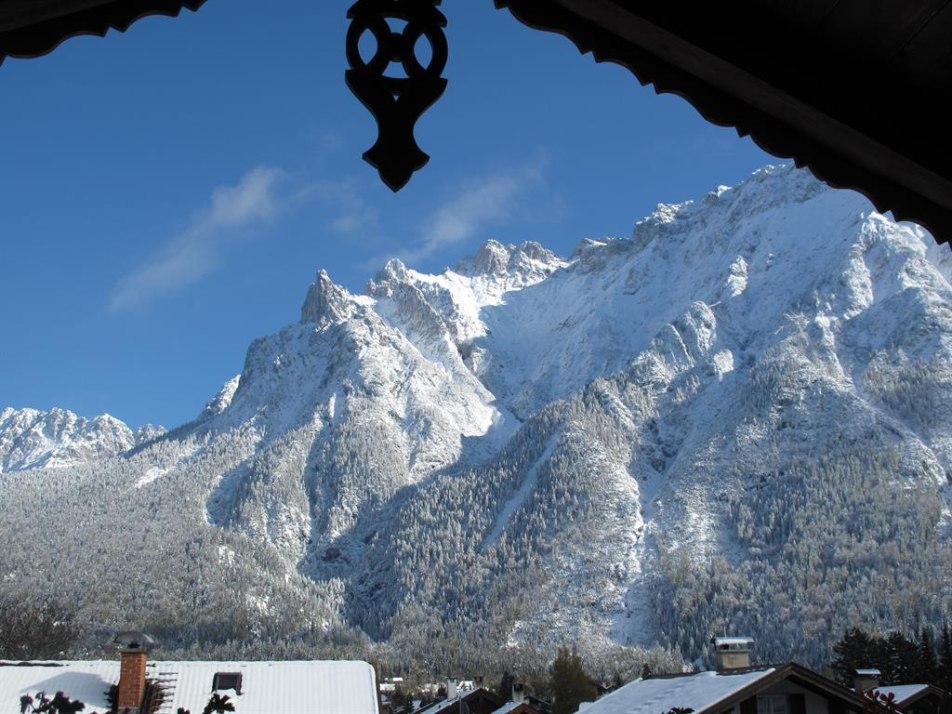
<point x="735" y="421"/>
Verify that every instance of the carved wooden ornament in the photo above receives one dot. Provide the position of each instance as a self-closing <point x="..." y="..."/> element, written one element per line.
<point x="396" y="101"/>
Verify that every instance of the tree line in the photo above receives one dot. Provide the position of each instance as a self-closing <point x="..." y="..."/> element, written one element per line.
<point x="922" y="659"/>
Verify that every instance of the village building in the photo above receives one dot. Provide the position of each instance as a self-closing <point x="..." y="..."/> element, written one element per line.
<point x="151" y="687"/>
<point x="736" y="687"/>
<point x="786" y="689"/>
<point x="907" y="698"/>
<point x="478" y="700"/>
<point x="915" y="698"/>
<point x="522" y="702"/>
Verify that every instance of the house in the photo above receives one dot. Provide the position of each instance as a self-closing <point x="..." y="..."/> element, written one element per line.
<point x="149" y="687"/>
<point x="734" y="688"/>
<point x="785" y="689"/>
<point x="520" y="702"/>
<point x="915" y="698"/>
<point x="474" y="701"/>
<point x="907" y="698"/>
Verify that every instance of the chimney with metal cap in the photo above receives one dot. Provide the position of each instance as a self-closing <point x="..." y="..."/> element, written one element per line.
<point x="133" y="651"/>
<point x="732" y="653"/>
<point x="866" y="679"/>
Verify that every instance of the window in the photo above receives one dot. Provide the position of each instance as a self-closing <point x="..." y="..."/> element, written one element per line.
<point x="232" y="680"/>
<point x="772" y="704"/>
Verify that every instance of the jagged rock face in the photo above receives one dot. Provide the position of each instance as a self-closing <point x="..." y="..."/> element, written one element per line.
<point x="738" y="418"/>
<point x="31" y="439"/>
<point x="325" y="303"/>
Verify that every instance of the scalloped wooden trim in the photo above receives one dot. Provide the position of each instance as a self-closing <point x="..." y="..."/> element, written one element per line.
<point x="44" y="37"/>
<point x="719" y="108"/>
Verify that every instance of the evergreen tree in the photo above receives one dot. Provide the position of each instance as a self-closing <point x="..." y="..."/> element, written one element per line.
<point x="505" y="685"/>
<point x="944" y="670"/>
<point x="569" y="682"/>
<point x="928" y="665"/>
<point x="900" y="660"/>
<point x="856" y="650"/>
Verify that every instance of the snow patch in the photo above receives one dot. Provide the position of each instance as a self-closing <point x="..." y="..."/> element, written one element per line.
<point x="737" y="280"/>
<point x="151" y="474"/>
<point x="723" y="362"/>
<point x="520" y="496"/>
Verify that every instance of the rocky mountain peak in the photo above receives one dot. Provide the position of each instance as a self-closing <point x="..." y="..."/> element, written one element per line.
<point x="221" y="400"/>
<point x="393" y="273"/>
<point x="492" y="258"/>
<point x="510" y="266"/>
<point x="326" y="302"/>
<point x="148" y="432"/>
<point x="767" y="189"/>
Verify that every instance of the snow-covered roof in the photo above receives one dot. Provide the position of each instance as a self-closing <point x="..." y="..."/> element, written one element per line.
<point x="902" y="692"/>
<point x="88" y="682"/>
<point x="507" y="707"/>
<point x="441" y="706"/>
<point x="733" y="642"/>
<point x="296" y="687"/>
<point x="870" y="672"/>
<point x="659" y="694"/>
<point x="448" y="704"/>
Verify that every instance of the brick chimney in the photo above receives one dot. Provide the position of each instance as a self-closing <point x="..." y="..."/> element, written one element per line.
<point x="131" y="678"/>
<point x="133" y="651"/>
<point x="731" y="653"/>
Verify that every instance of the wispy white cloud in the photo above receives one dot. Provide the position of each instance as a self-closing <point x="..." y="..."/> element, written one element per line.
<point x="254" y="197"/>
<point x="474" y="209"/>
<point x="198" y="249"/>
<point x="353" y="214"/>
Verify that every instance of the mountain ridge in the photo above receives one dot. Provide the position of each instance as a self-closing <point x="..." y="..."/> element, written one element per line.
<point x="643" y="443"/>
<point x="58" y="438"/>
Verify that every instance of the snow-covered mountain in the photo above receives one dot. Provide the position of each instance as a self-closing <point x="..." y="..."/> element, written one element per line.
<point x="31" y="439"/>
<point x="737" y="419"/>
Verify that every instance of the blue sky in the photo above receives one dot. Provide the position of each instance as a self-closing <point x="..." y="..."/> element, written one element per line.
<point x="169" y="193"/>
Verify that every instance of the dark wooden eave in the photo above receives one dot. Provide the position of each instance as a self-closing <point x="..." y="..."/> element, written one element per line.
<point x="803" y="677"/>
<point x="859" y="92"/>
<point x="30" y="28"/>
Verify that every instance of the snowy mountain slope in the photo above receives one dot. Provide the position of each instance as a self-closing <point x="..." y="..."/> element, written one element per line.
<point x="735" y="420"/>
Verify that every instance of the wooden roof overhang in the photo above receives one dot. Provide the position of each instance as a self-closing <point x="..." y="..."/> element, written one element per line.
<point x="803" y="677"/>
<point x="31" y="28"/>
<point x="859" y="92"/>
